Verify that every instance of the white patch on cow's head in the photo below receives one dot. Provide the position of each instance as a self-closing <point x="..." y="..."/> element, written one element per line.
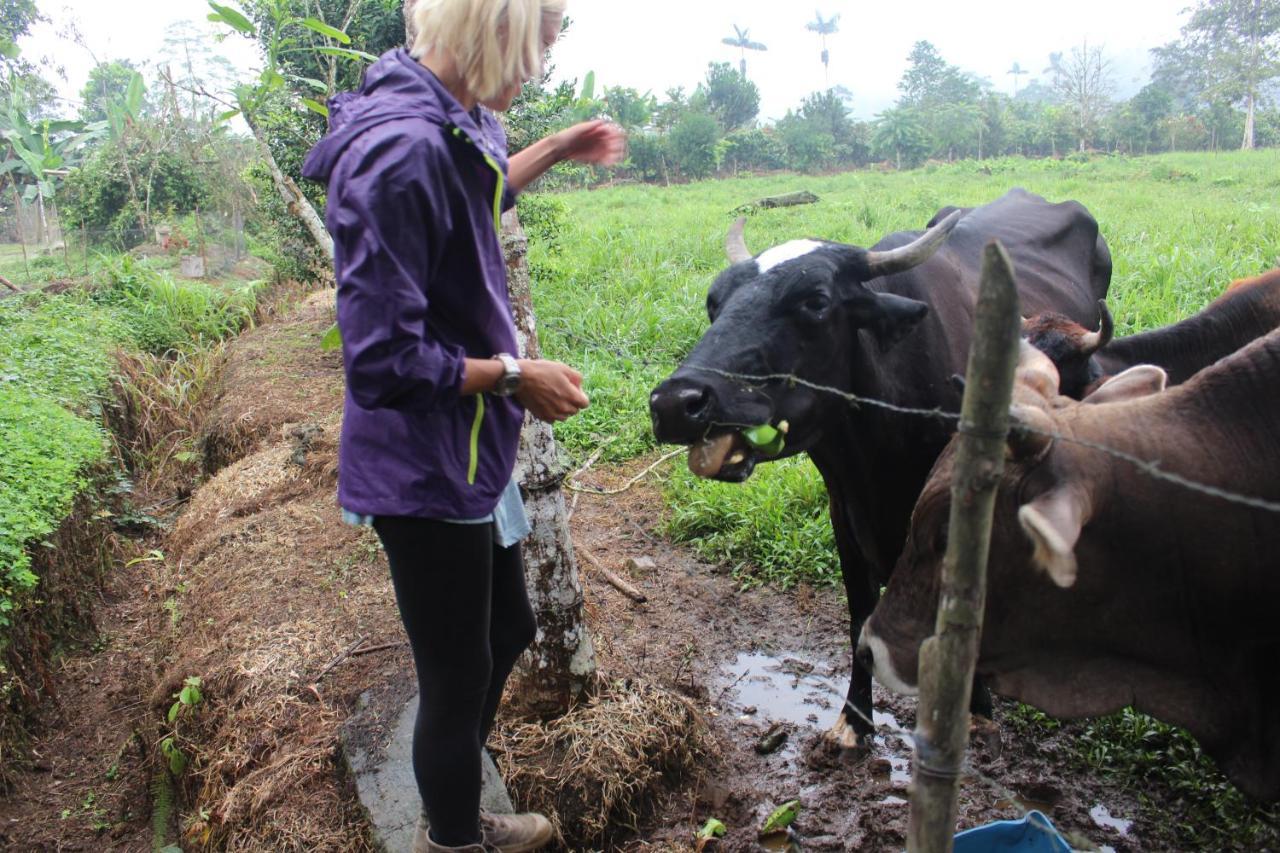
<point x="786" y="252"/>
<point x="883" y="670"/>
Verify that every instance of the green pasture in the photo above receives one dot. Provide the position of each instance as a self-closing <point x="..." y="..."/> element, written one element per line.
<point x="621" y="276"/>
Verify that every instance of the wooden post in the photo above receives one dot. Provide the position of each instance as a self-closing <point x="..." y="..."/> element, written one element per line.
<point x="947" y="659"/>
<point x="17" y="219"/>
<point x="561" y="663"/>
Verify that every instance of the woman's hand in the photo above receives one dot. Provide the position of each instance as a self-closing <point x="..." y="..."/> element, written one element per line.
<point x="598" y="142"/>
<point x="549" y="390"/>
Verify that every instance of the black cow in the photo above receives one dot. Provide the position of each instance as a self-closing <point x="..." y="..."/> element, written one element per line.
<point x="892" y="324"/>
<point x="1248" y="309"/>
<point x="1108" y="587"/>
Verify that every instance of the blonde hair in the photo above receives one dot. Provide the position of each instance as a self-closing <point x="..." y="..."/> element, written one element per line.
<point x="493" y="44"/>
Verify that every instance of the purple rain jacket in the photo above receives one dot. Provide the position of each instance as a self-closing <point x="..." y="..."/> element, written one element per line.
<point x="416" y="188"/>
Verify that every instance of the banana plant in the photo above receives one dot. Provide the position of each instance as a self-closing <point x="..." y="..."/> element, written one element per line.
<point x="38" y="151"/>
<point x="285" y="35"/>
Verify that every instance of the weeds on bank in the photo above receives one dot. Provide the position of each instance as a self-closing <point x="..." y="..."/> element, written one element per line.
<point x="60" y="380"/>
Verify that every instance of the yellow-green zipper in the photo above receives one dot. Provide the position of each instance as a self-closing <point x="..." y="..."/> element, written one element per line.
<point x="475" y="441"/>
<point x="497" y="227"/>
<point x="497" y="170"/>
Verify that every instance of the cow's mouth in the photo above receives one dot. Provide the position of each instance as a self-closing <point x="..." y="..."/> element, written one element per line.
<point x="732" y="456"/>
<point x="726" y="456"/>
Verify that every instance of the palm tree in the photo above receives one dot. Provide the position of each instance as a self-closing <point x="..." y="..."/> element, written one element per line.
<point x="824" y="27"/>
<point x="1055" y="67"/>
<point x="1017" y="71"/>
<point x="743" y="43"/>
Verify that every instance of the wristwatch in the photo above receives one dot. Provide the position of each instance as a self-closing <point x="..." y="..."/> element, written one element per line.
<point x="509" y="382"/>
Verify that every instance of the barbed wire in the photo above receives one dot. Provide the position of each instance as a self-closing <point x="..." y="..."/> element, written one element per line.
<point x="1148" y="467"/>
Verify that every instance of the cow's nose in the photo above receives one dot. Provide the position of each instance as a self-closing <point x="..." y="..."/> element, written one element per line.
<point x="681" y="410"/>
<point x="866" y="659"/>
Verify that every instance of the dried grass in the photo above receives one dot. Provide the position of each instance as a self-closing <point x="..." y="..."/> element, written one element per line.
<point x="597" y="770"/>
<point x="159" y="403"/>
<point x="260" y="556"/>
<point x="275" y="375"/>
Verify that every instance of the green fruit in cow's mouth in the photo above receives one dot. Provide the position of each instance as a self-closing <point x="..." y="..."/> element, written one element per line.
<point x="768" y="440"/>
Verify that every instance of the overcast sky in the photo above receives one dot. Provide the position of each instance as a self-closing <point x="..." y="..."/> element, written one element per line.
<point x="658" y="44"/>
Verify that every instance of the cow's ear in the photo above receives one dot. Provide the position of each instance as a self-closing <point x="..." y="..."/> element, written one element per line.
<point x="1140" y="381"/>
<point x="894" y="317"/>
<point x="1053" y="522"/>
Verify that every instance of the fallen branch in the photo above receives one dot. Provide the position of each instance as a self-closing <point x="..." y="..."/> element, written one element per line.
<point x="592" y="490"/>
<point x="10" y="284"/>
<point x="612" y="578"/>
<point x="381" y="648"/>
<point x="346" y="653"/>
<point x="785" y="200"/>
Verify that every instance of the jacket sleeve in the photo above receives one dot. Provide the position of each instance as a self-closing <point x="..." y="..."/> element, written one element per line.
<point x="390" y="220"/>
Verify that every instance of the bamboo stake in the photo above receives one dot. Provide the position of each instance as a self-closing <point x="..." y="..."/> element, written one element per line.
<point x="947" y="659"/>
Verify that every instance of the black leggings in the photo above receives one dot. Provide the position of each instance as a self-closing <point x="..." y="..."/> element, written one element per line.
<point x="464" y="606"/>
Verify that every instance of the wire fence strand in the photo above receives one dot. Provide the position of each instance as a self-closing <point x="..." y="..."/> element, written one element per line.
<point x="1148" y="467"/>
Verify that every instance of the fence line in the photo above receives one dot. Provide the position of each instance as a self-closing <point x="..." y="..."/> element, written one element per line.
<point x="1150" y="468"/>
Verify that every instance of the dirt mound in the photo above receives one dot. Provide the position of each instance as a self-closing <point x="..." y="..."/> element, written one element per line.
<point x="276" y="375"/>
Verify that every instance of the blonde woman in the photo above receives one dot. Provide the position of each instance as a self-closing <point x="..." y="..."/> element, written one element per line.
<point x="417" y="172"/>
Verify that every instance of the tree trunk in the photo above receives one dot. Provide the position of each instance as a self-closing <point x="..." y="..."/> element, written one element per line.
<point x="1247" y="143"/>
<point x="561" y="662"/>
<point x="948" y="658"/>
<point x="296" y="202"/>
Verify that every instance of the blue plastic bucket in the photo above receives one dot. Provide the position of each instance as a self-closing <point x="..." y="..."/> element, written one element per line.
<point x="1032" y="834"/>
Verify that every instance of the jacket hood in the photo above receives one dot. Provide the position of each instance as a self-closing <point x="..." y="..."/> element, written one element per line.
<point x="394" y="87"/>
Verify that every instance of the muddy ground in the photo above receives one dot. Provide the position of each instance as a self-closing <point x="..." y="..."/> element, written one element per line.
<point x="258" y="572"/>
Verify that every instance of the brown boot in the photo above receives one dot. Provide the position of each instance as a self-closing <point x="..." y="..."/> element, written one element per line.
<point x="515" y="833"/>
<point x="422" y="842"/>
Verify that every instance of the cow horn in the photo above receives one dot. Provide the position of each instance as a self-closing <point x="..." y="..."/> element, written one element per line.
<point x="913" y="254"/>
<point x="1091" y="342"/>
<point x="734" y="244"/>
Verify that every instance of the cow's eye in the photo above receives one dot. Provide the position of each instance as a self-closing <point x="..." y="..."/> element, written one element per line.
<point x="816" y="303"/>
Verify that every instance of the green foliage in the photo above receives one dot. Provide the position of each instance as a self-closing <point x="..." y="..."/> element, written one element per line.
<point x="693" y="144"/>
<point x="108" y="83"/>
<point x="55" y="363"/>
<point x="44" y="451"/>
<point x="755" y="149"/>
<point x="160" y="316"/>
<point x="729" y="96"/>
<point x="98" y="194"/>
<point x="772" y="529"/>
<point x="1183" y="791"/>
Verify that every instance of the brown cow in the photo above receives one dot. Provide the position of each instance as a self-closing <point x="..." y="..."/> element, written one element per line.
<point x="1248" y="309"/>
<point x="1108" y="587"/>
